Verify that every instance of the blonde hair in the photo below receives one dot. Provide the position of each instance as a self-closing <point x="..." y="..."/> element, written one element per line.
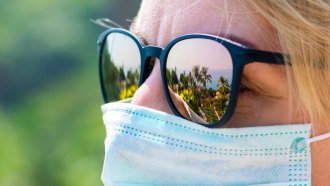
<point x="304" y="32"/>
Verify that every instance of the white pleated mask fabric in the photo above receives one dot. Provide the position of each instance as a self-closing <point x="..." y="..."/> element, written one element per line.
<point x="148" y="147"/>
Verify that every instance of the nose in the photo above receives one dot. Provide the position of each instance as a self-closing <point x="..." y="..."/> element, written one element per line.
<point x="151" y="93"/>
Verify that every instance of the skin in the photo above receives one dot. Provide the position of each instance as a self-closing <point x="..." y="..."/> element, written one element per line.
<point x="265" y="99"/>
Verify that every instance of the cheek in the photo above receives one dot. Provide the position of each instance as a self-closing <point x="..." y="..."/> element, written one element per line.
<point x="252" y="110"/>
<point x="268" y="101"/>
<point x="267" y="80"/>
<point x="259" y="110"/>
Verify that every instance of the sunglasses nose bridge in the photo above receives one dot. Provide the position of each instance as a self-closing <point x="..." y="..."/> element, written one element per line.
<point x="150" y="53"/>
<point x="153" y="51"/>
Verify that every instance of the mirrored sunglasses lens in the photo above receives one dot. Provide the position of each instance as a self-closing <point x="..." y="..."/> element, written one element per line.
<point x="120" y="67"/>
<point x="199" y="74"/>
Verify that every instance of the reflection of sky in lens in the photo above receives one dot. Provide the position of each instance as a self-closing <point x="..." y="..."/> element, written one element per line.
<point x="123" y="51"/>
<point x="205" y="53"/>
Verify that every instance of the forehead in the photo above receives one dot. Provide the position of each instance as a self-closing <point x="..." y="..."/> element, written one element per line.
<point x="159" y="21"/>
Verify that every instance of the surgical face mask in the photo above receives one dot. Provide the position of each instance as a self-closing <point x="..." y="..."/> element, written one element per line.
<point x="149" y="147"/>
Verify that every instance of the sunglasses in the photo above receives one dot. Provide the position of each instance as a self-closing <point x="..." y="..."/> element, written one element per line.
<point x="204" y="71"/>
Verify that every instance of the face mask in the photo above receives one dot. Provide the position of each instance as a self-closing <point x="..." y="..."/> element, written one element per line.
<point x="148" y="147"/>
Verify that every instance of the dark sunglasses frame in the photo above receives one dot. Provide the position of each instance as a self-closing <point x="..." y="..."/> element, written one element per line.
<point x="240" y="54"/>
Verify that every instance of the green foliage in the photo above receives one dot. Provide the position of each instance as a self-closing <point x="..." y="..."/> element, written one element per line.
<point x="51" y="129"/>
<point x="189" y="97"/>
<point x="128" y="92"/>
<point x="56" y="137"/>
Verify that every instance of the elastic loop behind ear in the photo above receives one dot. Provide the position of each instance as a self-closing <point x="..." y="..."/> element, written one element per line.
<point x="318" y="138"/>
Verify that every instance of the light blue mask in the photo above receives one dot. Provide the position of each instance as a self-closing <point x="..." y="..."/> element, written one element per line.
<point x="148" y="147"/>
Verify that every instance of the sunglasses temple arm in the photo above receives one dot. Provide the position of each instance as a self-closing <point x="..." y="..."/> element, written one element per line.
<point x="267" y="57"/>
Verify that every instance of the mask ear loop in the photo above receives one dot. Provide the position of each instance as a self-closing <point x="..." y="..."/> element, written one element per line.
<point x="299" y="144"/>
<point x="318" y="138"/>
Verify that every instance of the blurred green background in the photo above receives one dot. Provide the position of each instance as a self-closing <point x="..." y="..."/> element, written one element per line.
<point x="51" y="129"/>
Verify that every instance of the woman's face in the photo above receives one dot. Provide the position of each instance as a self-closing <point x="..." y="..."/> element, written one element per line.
<point x="265" y="96"/>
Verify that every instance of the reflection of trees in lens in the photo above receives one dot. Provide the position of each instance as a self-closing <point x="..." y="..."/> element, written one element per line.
<point x="110" y="74"/>
<point x="205" y="77"/>
<point x="172" y="79"/>
<point x="118" y="84"/>
<point x="130" y="85"/>
<point x="122" y="76"/>
<point x="208" y="103"/>
<point x="128" y="92"/>
<point x="132" y="77"/>
<point x="196" y="73"/>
